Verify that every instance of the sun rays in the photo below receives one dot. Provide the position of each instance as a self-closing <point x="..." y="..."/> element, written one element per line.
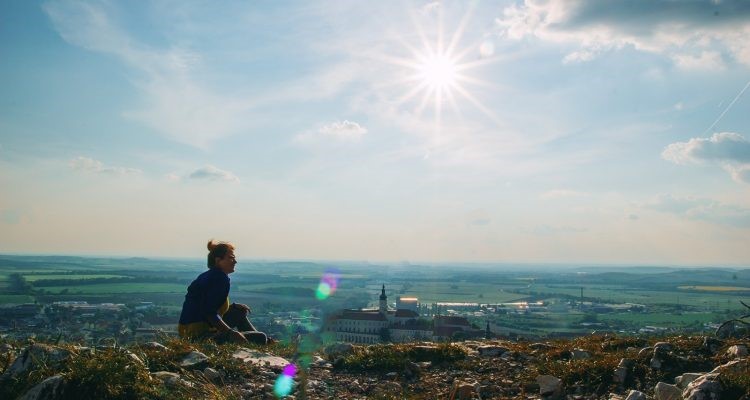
<point x="436" y="73"/>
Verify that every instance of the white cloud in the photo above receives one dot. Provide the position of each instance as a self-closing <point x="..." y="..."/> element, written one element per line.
<point x="94" y="166"/>
<point x="343" y="130"/>
<point x="728" y="149"/>
<point x="706" y="60"/>
<point x="702" y="209"/>
<point x="695" y="34"/>
<point x="340" y="130"/>
<point x="211" y="173"/>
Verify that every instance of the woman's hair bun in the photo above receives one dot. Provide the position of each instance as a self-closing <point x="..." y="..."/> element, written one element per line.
<point x="211" y="245"/>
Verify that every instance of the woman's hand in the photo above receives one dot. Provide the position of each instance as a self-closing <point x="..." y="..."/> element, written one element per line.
<point x="243" y="307"/>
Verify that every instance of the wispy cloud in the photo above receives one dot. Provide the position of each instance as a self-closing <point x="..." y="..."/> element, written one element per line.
<point x="86" y="164"/>
<point x="694" y="34"/>
<point x="211" y="173"/>
<point x="702" y="209"/>
<point x="728" y="149"/>
<point x="174" y="102"/>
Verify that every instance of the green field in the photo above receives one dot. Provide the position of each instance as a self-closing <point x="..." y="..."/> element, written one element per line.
<point x="119" y="288"/>
<point x="458" y="292"/>
<point x="15" y="299"/>
<point x="661" y="319"/>
<point x="43" y="277"/>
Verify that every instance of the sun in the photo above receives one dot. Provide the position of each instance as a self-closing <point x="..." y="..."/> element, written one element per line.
<point x="437" y="71"/>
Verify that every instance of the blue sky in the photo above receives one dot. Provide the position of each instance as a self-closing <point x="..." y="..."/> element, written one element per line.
<point x="509" y="131"/>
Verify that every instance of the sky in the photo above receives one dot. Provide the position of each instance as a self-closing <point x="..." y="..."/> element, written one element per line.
<point x="521" y="131"/>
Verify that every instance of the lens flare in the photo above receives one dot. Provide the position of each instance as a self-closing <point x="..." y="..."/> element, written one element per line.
<point x="285" y="382"/>
<point x="328" y="284"/>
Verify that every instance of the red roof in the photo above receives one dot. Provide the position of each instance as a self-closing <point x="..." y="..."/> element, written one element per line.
<point x="447" y="320"/>
<point x="446" y="331"/>
<point x="363" y="316"/>
<point x="406" y="314"/>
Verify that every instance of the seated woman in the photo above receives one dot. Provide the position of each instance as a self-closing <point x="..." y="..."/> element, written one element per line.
<point x="206" y="312"/>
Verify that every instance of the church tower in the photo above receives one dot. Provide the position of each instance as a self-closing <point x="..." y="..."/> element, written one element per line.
<point x="383" y="302"/>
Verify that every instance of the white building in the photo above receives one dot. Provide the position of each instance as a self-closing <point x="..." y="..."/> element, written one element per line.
<point x="374" y="325"/>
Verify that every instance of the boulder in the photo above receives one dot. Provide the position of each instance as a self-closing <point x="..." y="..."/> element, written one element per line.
<point x="711" y="345"/>
<point x="579" y="354"/>
<point x="636" y="395"/>
<point x="33" y="356"/>
<point x="169" y="378"/>
<point x="491" y="351"/>
<point x="665" y="391"/>
<point x="48" y="389"/>
<point x="260" y="358"/>
<point x="462" y="391"/>
<point x="193" y="359"/>
<point x="662" y="348"/>
<point x="642" y="353"/>
<point x="737" y="351"/>
<point x="549" y="385"/>
<point x="683" y="380"/>
<point x="154" y="346"/>
<point x="339" y="349"/>
<point x="622" y="369"/>
<point x="213" y="375"/>
<point x="707" y="387"/>
<point x="735" y="366"/>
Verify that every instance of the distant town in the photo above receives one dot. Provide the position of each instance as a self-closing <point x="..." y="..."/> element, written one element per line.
<point x="95" y="300"/>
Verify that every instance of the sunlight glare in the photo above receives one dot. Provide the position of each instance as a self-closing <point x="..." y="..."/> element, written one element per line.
<point x="438" y="71"/>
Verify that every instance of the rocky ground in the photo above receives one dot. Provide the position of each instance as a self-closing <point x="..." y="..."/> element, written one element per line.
<point x="593" y="367"/>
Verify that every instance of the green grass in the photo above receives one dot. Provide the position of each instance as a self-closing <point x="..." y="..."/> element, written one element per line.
<point x="34" y="278"/>
<point x="468" y="292"/>
<point x="15" y="299"/>
<point x="118" y="288"/>
<point x="660" y="319"/>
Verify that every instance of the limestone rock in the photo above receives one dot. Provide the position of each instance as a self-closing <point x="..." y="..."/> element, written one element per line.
<point x="549" y="385"/>
<point x="665" y="391"/>
<point x="169" y="378"/>
<point x="33" y="356"/>
<point x="735" y="366"/>
<point x="645" y="351"/>
<point x="737" y="351"/>
<point x="579" y="354"/>
<point x="213" y="375"/>
<point x="707" y="387"/>
<point x="662" y="347"/>
<point x="154" y="346"/>
<point x="462" y="391"/>
<point x="48" y="389"/>
<point x="622" y="369"/>
<point x="260" y="358"/>
<point x="491" y="351"/>
<point x="711" y="345"/>
<point x="636" y="395"/>
<point x="339" y="349"/>
<point x="193" y="359"/>
<point x="684" y="380"/>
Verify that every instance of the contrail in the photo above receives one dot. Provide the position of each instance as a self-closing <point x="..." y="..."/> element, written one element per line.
<point x="727" y="109"/>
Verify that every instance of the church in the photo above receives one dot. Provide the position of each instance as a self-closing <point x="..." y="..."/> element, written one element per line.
<point x="370" y="326"/>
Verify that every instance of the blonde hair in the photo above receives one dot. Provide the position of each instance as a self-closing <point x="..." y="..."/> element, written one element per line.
<point x="216" y="250"/>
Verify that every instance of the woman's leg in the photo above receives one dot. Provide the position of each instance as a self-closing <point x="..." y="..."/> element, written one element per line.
<point x="236" y="317"/>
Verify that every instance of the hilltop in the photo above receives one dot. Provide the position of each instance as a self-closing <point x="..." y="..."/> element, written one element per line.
<point x="591" y="367"/>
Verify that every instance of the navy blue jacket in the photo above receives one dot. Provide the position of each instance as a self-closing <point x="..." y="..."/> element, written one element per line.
<point x="204" y="296"/>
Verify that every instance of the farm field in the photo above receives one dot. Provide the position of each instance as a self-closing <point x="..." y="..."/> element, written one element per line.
<point x="115" y="288"/>
<point x="72" y="277"/>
